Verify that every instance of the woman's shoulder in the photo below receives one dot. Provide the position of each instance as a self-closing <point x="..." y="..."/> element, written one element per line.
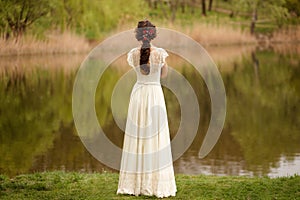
<point x="159" y="49"/>
<point x="134" y="49"/>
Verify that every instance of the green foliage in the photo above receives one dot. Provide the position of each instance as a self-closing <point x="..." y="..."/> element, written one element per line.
<point x="271" y="15"/>
<point x="90" y="18"/>
<point x="293" y="6"/>
<point x="267" y="9"/>
<point x="94" y="18"/>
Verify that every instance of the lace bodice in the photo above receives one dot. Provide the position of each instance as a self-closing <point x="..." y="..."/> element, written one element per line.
<point x="157" y="60"/>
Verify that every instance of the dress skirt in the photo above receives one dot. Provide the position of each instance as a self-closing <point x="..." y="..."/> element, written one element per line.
<point x="146" y="165"/>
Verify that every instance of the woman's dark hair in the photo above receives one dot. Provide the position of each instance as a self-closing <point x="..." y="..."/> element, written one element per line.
<point x="145" y="32"/>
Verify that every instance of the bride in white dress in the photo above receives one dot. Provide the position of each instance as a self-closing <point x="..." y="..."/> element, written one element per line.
<point x="146" y="165"/>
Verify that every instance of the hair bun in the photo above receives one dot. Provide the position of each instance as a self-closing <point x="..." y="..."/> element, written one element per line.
<point x="145" y="32"/>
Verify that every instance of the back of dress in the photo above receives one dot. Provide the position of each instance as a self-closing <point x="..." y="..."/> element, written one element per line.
<point x="156" y="61"/>
<point x="146" y="164"/>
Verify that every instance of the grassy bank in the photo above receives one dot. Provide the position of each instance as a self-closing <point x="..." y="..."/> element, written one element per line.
<point x="62" y="185"/>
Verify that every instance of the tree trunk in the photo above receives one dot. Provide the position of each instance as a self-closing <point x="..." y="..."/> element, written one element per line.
<point x="155" y="5"/>
<point x="192" y="5"/>
<point x="203" y="8"/>
<point x="149" y="3"/>
<point x="254" y="17"/>
<point x="210" y="5"/>
<point x="253" y="21"/>
<point x="18" y="32"/>
<point x="162" y="8"/>
<point x="255" y="66"/>
<point x="182" y="5"/>
<point x="174" y="5"/>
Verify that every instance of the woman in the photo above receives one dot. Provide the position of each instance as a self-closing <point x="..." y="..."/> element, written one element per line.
<point x="146" y="165"/>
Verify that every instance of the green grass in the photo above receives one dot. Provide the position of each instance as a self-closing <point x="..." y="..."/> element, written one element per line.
<point x="73" y="185"/>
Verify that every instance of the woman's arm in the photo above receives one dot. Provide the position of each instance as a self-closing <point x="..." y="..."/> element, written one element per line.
<point x="164" y="71"/>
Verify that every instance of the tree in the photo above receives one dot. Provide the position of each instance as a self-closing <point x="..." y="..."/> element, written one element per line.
<point x="203" y="7"/>
<point x="182" y="5"/>
<point x="18" y="15"/>
<point x="254" y="15"/>
<point x="210" y="5"/>
<point x="192" y="4"/>
<point x="173" y="6"/>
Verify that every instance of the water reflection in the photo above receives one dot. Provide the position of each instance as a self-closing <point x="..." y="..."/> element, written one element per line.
<point x="260" y="137"/>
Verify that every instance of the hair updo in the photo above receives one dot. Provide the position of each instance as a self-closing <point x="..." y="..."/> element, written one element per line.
<point x="145" y="32"/>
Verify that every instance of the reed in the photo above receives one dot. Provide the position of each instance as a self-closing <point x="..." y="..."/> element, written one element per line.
<point x="290" y="34"/>
<point x="217" y="34"/>
<point x="54" y="43"/>
<point x="205" y="34"/>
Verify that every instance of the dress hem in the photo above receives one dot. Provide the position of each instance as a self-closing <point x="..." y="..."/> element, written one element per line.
<point x="128" y="192"/>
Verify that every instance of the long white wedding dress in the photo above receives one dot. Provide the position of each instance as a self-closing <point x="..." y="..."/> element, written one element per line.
<point x="146" y="165"/>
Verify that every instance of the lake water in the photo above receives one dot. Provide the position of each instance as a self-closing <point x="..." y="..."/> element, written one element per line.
<point x="261" y="135"/>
